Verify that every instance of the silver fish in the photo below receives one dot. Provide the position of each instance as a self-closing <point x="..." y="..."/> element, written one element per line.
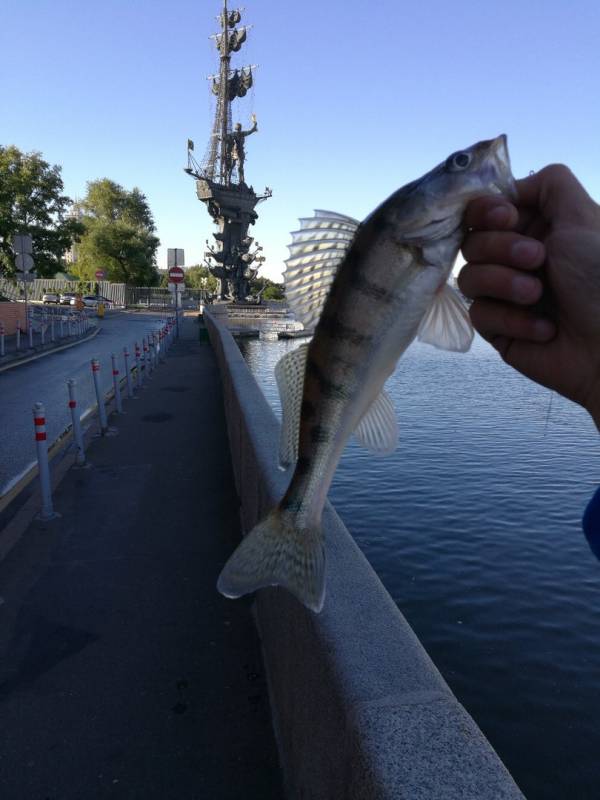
<point x="373" y="287"/>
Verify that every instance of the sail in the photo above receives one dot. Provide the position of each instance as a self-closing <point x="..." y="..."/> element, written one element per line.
<point x="235" y="41"/>
<point x="234" y="18"/>
<point x="237" y="85"/>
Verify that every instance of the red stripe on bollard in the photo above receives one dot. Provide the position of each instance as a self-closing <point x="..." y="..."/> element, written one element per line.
<point x="37" y="421"/>
<point x="115" y="371"/>
<point x="72" y="404"/>
<point x="40" y="437"/>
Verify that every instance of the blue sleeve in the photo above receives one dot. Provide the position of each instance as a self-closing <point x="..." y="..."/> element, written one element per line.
<point x="591" y="524"/>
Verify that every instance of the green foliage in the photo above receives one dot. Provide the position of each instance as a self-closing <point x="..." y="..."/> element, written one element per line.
<point x="198" y="277"/>
<point x="31" y="201"/>
<point x="269" y="290"/>
<point x="118" y="235"/>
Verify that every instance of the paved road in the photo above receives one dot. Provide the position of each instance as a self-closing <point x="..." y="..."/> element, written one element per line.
<point x="45" y="381"/>
<point x="124" y="674"/>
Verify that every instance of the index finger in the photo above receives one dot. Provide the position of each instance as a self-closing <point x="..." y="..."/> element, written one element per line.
<point x="491" y="212"/>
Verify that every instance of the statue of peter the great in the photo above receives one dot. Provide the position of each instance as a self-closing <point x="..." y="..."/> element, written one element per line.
<point x="235" y="148"/>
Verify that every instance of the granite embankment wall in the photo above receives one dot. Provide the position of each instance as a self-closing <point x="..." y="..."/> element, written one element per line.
<point x="359" y="709"/>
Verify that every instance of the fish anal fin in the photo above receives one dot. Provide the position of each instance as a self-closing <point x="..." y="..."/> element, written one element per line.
<point x="378" y="428"/>
<point x="447" y="324"/>
<point x="289" y="374"/>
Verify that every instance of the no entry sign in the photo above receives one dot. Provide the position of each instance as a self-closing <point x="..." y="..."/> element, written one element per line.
<point x="176" y="275"/>
<point x="99" y="273"/>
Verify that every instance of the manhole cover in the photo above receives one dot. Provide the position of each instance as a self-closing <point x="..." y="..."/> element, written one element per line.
<point x="175" y="388"/>
<point x="160" y="417"/>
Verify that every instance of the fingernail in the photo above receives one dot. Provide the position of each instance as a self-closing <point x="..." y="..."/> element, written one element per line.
<point x="498" y="216"/>
<point x="524" y="289"/>
<point x="543" y="330"/>
<point x="526" y="252"/>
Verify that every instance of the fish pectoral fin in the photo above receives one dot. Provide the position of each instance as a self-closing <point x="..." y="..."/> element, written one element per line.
<point x="289" y="374"/>
<point x="447" y="324"/>
<point x="378" y="429"/>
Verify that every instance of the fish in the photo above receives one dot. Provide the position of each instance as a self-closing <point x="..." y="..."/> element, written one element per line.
<point x="368" y="290"/>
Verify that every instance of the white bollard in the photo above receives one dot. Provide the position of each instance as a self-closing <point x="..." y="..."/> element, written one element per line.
<point x="99" y="398"/>
<point x="146" y="358"/>
<point x="77" y="434"/>
<point x="39" y="421"/>
<point x="128" y="374"/>
<point x="138" y="366"/>
<point x="148" y="348"/>
<point x="1" y="339"/>
<point x="116" y="384"/>
<point x="43" y="330"/>
<point x="18" y="342"/>
<point x="52" y="338"/>
<point x="62" y="327"/>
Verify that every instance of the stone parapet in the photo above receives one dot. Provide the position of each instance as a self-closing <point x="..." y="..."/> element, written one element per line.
<point x="360" y="710"/>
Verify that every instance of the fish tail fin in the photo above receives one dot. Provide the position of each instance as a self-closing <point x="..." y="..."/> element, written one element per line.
<point x="278" y="553"/>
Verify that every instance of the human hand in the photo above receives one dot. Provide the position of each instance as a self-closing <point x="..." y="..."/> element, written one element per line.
<point x="533" y="272"/>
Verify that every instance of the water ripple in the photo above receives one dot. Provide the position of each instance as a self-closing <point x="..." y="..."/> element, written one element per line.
<point x="473" y="525"/>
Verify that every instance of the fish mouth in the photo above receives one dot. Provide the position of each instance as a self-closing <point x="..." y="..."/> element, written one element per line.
<point x="505" y="182"/>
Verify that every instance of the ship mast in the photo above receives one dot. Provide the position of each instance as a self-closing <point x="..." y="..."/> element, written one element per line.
<point x="224" y="101"/>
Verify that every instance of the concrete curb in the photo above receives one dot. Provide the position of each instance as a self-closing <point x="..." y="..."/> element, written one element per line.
<point x="20" y="361"/>
<point x="360" y="711"/>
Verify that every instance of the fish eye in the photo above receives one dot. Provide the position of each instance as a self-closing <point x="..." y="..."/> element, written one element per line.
<point x="458" y="161"/>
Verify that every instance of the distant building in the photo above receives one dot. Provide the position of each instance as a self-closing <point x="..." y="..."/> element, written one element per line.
<point x="71" y="254"/>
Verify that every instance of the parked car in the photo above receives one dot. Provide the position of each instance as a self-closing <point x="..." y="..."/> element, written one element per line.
<point x="66" y="298"/>
<point x="91" y="301"/>
<point x="50" y="297"/>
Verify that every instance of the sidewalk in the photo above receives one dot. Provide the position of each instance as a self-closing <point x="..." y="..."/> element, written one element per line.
<point x="123" y="673"/>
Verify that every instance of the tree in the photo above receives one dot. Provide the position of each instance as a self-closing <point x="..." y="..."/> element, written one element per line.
<point x="31" y="201"/>
<point x="269" y="290"/>
<point x="198" y="277"/>
<point x="118" y="235"/>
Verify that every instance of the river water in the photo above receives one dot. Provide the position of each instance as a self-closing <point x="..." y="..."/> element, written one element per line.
<point x="473" y="525"/>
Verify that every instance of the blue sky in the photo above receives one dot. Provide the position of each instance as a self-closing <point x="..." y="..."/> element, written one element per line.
<point x="353" y="99"/>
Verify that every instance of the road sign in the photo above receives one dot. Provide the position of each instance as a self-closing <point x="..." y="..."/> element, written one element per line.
<point x="22" y="243"/>
<point x="175" y="257"/>
<point x="24" y="262"/>
<point x="100" y="274"/>
<point x="176" y="275"/>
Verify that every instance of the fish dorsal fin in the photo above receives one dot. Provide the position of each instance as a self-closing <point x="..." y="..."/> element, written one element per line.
<point x="447" y="324"/>
<point x="378" y="429"/>
<point x="316" y="252"/>
<point x="289" y="374"/>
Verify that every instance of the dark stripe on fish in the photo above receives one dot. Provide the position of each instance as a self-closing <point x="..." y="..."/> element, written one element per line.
<point x="370" y="289"/>
<point x="307" y="410"/>
<point x="303" y="465"/>
<point x="293" y="504"/>
<point x="327" y="387"/>
<point x="330" y="324"/>
<point x="319" y="434"/>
